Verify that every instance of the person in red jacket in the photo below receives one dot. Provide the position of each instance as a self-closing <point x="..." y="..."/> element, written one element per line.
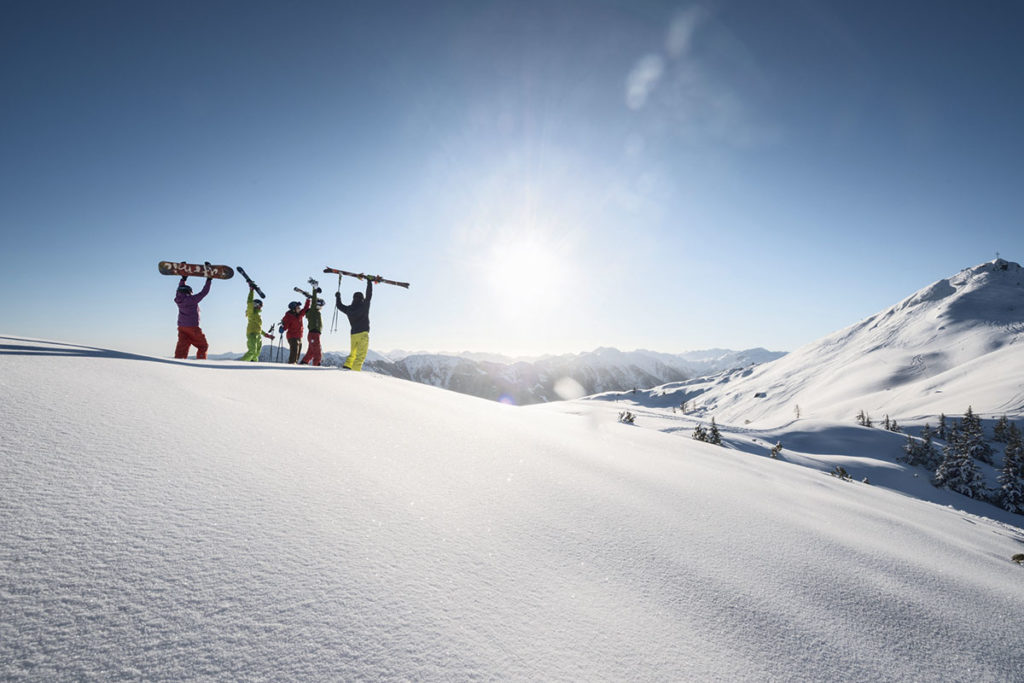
<point x="291" y="327"/>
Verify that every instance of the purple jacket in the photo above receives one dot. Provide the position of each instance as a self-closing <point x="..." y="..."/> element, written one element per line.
<point x="188" y="305"/>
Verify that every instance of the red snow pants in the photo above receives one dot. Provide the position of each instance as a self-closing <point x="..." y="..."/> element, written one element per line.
<point x="188" y="337"/>
<point x="313" y="353"/>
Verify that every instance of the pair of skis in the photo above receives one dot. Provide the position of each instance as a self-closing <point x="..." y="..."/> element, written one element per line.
<point x="377" y="279"/>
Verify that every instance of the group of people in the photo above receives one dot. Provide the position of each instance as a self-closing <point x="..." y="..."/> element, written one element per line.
<point x="291" y="325"/>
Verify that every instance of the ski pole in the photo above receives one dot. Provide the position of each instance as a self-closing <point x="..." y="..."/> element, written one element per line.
<point x="334" y="322"/>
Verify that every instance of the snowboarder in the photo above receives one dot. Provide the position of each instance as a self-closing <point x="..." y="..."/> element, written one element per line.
<point x="316" y="326"/>
<point x="291" y="327"/>
<point x="358" y="313"/>
<point x="254" y="333"/>
<point x="189" y="332"/>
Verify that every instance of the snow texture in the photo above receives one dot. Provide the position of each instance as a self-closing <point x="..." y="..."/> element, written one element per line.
<point x="167" y="520"/>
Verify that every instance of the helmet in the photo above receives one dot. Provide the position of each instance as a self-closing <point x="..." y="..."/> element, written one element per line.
<point x="293" y="305"/>
<point x="357" y="298"/>
<point x="257" y="302"/>
<point x="184" y="289"/>
<point x="320" y="302"/>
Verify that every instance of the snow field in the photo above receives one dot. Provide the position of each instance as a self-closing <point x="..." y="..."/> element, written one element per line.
<point x="224" y="520"/>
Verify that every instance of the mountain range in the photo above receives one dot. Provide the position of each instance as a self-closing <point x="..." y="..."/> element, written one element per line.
<point x="524" y="381"/>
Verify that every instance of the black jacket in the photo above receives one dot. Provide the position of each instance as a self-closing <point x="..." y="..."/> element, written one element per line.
<point x="358" y="314"/>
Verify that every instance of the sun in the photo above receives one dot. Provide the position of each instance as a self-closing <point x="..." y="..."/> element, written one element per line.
<point x="525" y="273"/>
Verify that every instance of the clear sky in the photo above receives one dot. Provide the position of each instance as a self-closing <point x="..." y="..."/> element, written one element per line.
<point x="550" y="176"/>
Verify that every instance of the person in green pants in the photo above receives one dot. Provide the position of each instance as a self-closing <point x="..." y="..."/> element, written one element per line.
<point x="254" y="330"/>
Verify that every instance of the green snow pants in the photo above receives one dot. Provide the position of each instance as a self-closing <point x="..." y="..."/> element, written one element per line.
<point x="255" y="343"/>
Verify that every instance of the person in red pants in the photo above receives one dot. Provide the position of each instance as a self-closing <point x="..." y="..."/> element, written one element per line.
<point x="315" y="322"/>
<point x="189" y="332"/>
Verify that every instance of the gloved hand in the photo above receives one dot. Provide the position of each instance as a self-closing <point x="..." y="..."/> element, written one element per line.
<point x="280" y="330"/>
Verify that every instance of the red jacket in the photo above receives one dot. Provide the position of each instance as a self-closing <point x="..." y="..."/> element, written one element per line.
<point x="293" y="322"/>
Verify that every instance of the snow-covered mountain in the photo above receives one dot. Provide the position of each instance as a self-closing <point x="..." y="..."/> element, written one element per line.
<point x="919" y="358"/>
<point x="524" y="382"/>
<point x="185" y="520"/>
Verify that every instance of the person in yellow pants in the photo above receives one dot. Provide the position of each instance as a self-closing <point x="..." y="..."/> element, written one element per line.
<point x="358" y="313"/>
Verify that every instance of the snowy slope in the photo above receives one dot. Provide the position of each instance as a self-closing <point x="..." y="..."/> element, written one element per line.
<point x="172" y="520"/>
<point x="956" y="343"/>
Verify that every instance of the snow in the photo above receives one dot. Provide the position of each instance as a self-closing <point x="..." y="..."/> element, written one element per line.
<point x="956" y="343"/>
<point x="173" y="520"/>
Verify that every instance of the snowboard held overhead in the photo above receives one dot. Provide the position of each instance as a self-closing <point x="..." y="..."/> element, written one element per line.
<point x="182" y="269"/>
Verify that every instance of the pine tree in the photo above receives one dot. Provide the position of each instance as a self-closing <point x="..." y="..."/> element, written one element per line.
<point x="931" y="456"/>
<point x="943" y="431"/>
<point x="920" y="452"/>
<point x="714" y="436"/>
<point x="1001" y="432"/>
<point x="975" y="436"/>
<point x="885" y="422"/>
<point x="1011" y="477"/>
<point x="958" y="471"/>
<point x="699" y="433"/>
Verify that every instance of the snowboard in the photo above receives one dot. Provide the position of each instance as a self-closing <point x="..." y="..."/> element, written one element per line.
<point x="195" y="270"/>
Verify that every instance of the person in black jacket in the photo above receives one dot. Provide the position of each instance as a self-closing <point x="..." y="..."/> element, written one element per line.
<point x="358" y="313"/>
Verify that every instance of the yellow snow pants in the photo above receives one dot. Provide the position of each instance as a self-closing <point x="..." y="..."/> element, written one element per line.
<point x="360" y="345"/>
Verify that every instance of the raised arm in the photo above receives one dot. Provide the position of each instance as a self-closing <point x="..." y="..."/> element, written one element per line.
<point x="204" y="291"/>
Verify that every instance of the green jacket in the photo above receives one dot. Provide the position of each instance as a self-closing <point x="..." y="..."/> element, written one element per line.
<point x="314" y="321"/>
<point x="254" y="315"/>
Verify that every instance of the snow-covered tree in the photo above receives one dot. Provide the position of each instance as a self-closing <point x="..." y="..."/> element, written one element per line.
<point x="1011" y="477"/>
<point x="1001" y="432"/>
<point x="931" y="455"/>
<point x="958" y="472"/>
<point x="700" y="433"/>
<point x="943" y="430"/>
<point x="971" y="429"/>
<point x="714" y="436"/>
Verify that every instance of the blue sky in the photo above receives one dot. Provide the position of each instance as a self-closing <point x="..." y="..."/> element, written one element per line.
<point x="550" y="176"/>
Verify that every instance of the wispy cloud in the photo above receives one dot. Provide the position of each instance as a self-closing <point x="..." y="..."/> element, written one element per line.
<point x="695" y="95"/>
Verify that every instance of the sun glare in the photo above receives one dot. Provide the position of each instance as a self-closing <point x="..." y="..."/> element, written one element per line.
<point x="524" y="274"/>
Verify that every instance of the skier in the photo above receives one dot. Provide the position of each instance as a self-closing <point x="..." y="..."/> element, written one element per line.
<point x="316" y="326"/>
<point x="254" y="330"/>
<point x="291" y="327"/>
<point x="358" y="313"/>
<point x="189" y="332"/>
